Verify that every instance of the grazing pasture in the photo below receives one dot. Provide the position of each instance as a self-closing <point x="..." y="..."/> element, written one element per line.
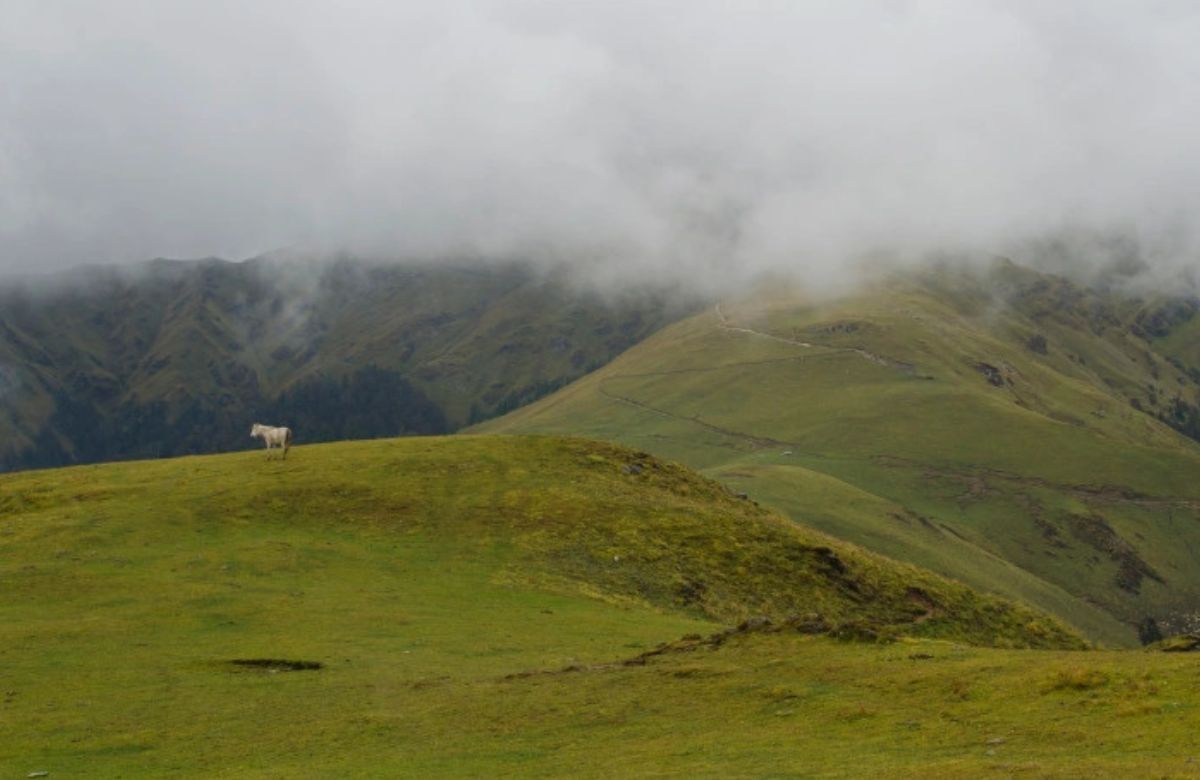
<point x="410" y="608"/>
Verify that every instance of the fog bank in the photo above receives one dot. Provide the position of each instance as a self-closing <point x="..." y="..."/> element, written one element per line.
<point x="631" y="141"/>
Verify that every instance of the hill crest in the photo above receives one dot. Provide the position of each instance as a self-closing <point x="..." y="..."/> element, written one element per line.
<point x="1009" y="429"/>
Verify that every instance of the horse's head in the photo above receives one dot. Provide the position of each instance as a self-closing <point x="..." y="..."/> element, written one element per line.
<point x="255" y="430"/>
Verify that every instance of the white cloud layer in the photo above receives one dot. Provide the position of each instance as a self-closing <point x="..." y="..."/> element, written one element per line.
<point x="679" y="137"/>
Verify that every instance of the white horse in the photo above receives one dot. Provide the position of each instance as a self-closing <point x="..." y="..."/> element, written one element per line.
<point x="273" y="437"/>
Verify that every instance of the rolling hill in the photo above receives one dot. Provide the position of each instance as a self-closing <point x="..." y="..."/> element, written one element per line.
<point x="180" y="357"/>
<point x="1013" y="430"/>
<point x="476" y="605"/>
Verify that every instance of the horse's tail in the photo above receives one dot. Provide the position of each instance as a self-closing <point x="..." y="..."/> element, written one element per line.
<point x="287" y="437"/>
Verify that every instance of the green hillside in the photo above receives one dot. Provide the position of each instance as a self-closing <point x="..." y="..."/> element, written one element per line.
<point x="165" y="618"/>
<point x="1006" y="428"/>
<point x="171" y="358"/>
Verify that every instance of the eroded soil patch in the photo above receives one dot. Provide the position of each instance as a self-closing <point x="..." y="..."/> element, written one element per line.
<point x="275" y="665"/>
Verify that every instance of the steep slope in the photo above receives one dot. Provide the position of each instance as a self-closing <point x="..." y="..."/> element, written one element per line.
<point x="986" y="426"/>
<point x="228" y="615"/>
<point x="178" y="357"/>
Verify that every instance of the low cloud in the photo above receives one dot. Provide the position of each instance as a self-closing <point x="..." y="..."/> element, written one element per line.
<point x="626" y="140"/>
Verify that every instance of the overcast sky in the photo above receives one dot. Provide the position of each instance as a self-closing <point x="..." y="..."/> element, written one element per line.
<point x="680" y="136"/>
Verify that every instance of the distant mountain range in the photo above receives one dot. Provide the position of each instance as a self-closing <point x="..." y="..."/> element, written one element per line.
<point x="174" y="357"/>
<point x="1015" y="430"/>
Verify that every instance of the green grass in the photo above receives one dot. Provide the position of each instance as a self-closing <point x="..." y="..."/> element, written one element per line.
<point x="788" y="706"/>
<point x="885" y="431"/>
<point x="420" y="573"/>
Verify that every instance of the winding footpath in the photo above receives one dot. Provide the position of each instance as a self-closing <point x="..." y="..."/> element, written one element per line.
<point x="723" y="324"/>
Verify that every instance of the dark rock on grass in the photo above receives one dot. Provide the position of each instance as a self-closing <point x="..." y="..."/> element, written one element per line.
<point x="754" y="624"/>
<point x="277" y="664"/>
<point x="864" y="631"/>
<point x="1149" y="632"/>
<point x="830" y="561"/>
<point x="692" y="592"/>
<point x="1095" y="531"/>
<point x="1184" y="643"/>
<point x="812" y="623"/>
<point x="993" y="375"/>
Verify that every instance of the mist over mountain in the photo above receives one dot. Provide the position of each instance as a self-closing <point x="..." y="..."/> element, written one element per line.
<point x="677" y="141"/>
<point x="677" y="387"/>
<point x="171" y="358"/>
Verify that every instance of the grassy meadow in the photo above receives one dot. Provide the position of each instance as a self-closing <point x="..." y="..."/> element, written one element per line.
<point x="492" y="606"/>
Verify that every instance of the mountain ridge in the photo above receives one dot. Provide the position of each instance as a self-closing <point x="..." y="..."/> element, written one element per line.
<point x="175" y="357"/>
<point x="1015" y="418"/>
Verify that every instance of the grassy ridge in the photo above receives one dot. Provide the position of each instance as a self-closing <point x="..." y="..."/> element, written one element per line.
<point x="983" y="427"/>
<point x="416" y="571"/>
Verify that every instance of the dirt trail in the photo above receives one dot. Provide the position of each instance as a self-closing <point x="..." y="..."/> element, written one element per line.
<point x="976" y="480"/>
<point x="1090" y="493"/>
<point x="757" y="441"/>
<point x="811" y="624"/>
<point x="723" y="324"/>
